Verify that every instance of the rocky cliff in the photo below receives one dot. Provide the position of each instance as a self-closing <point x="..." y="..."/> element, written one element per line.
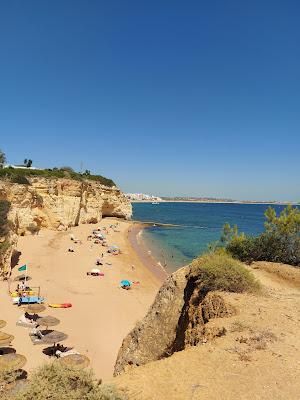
<point x="256" y="358"/>
<point x="57" y="204"/>
<point x="179" y="318"/>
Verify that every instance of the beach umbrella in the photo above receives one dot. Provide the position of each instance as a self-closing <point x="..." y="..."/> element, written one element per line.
<point x="35" y="308"/>
<point x="77" y="361"/>
<point x="22" y="278"/>
<point x="125" y="282"/>
<point x="2" y="323"/>
<point x="54" y="337"/>
<point x="48" y="321"/>
<point x="5" y="339"/>
<point x="12" y="361"/>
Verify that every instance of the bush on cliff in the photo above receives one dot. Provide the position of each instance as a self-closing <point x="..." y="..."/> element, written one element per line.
<point x="219" y="271"/>
<point x="20" y="175"/>
<point x="279" y="243"/>
<point x="56" y="382"/>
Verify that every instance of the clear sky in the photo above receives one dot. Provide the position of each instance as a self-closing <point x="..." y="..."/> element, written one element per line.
<point x="165" y="97"/>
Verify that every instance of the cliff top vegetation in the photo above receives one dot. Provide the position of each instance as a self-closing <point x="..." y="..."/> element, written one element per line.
<point x="219" y="271"/>
<point x="20" y="175"/>
<point x="56" y="382"/>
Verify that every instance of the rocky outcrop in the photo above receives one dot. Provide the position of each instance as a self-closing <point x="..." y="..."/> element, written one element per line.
<point x="57" y="203"/>
<point x="8" y="245"/>
<point x="61" y="203"/>
<point x="178" y="318"/>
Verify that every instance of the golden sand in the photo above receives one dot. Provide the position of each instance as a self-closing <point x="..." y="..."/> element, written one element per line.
<point x="102" y="313"/>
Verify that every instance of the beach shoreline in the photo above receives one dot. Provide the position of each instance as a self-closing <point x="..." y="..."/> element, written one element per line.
<point x="102" y="314"/>
<point x="144" y="253"/>
<point x="279" y="203"/>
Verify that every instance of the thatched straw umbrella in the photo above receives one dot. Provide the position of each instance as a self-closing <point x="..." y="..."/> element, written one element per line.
<point x="12" y="362"/>
<point x="5" y="339"/>
<point x="48" y="321"/>
<point x="54" y="337"/>
<point x="2" y="323"/>
<point x="22" y="278"/>
<point x="77" y="361"/>
<point x="35" y="308"/>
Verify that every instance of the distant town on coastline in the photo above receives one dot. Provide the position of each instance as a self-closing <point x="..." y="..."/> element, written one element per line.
<point x="146" y="198"/>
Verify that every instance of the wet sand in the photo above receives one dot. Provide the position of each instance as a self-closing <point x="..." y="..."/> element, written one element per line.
<point x="144" y="254"/>
<point x="102" y="313"/>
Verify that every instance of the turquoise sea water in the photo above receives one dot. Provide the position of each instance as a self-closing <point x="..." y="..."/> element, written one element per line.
<point x="199" y="225"/>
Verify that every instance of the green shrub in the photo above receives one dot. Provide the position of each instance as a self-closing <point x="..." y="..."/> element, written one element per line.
<point x="21" y="179"/>
<point x="20" y="175"/>
<point x="56" y="382"/>
<point x="219" y="271"/>
<point x="279" y="243"/>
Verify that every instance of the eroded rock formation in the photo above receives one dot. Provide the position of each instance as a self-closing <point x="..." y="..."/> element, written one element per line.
<point x="58" y="204"/>
<point x="178" y="318"/>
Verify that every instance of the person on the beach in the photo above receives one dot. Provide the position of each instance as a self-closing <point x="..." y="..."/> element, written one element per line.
<point x="132" y="267"/>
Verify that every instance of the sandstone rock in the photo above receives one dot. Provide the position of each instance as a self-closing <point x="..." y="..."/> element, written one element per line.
<point x="58" y="204"/>
<point x="61" y="203"/>
<point x="176" y="320"/>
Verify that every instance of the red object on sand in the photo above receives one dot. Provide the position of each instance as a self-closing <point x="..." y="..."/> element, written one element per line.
<point x="62" y="305"/>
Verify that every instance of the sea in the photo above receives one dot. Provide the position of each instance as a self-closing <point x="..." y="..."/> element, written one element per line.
<point x="196" y="225"/>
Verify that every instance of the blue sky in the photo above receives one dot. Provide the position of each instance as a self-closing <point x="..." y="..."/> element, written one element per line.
<point x="164" y="97"/>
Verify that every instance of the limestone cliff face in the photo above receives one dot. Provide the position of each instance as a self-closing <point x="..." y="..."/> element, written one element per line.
<point x="179" y="317"/>
<point x="61" y="203"/>
<point x="58" y="204"/>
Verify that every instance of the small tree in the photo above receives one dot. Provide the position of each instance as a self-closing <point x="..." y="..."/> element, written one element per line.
<point x="280" y="242"/>
<point x="2" y="159"/>
<point x="27" y="163"/>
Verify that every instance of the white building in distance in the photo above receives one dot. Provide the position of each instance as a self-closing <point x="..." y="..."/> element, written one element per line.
<point x="142" y="197"/>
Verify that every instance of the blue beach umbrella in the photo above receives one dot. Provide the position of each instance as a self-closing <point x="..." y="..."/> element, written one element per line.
<point x="125" y="283"/>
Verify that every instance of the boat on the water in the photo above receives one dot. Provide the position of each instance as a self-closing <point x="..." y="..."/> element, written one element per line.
<point x="155" y="202"/>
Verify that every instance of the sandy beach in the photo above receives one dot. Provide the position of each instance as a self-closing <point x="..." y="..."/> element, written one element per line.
<point x="102" y="313"/>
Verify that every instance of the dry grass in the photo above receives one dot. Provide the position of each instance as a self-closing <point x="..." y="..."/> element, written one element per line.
<point x="285" y="272"/>
<point x="217" y="271"/>
<point x="56" y="382"/>
<point x="258" y="340"/>
<point x="239" y="326"/>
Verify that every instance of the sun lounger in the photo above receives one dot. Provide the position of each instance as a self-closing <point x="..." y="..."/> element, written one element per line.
<point x="61" y="354"/>
<point x="25" y="322"/>
<point x="36" y="336"/>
